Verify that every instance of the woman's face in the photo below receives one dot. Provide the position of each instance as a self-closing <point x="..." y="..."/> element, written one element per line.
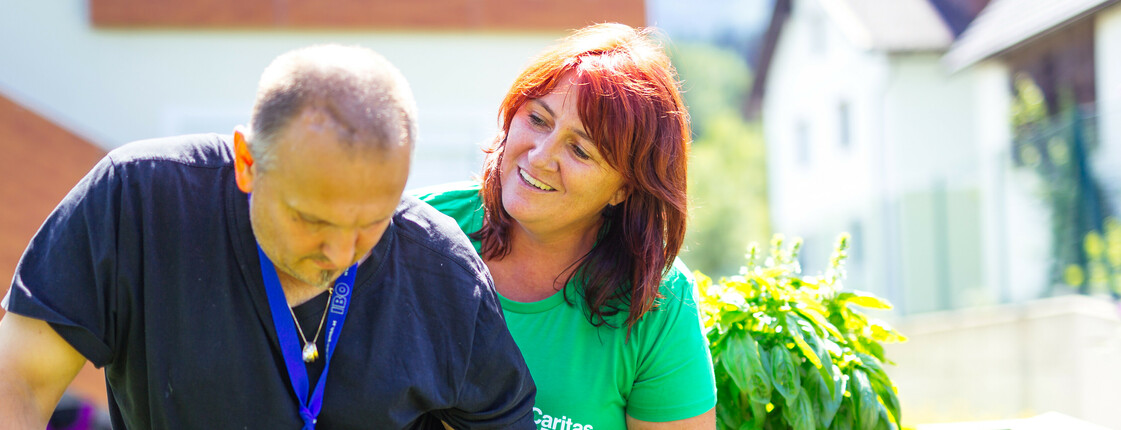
<point x="554" y="180"/>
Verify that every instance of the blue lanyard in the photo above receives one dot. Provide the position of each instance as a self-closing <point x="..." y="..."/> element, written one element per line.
<point x="290" y="344"/>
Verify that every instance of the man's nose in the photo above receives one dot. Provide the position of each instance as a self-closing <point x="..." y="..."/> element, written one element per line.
<point x="339" y="247"/>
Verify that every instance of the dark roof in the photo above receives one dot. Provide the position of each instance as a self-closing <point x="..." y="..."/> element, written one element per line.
<point x="958" y="13"/>
<point x="1005" y="24"/>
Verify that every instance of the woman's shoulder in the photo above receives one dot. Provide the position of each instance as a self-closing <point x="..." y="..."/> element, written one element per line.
<point x="678" y="286"/>
<point x="677" y="300"/>
<point x="458" y="200"/>
<point x="452" y="193"/>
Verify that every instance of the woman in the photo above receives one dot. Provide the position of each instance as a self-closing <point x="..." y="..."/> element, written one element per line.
<point x="579" y="217"/>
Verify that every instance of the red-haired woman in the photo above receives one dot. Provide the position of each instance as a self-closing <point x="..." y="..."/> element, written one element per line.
<point x="580" y="215"/>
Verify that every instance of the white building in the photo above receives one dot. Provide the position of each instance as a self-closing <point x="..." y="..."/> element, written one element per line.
<point x="867" y="133"/>
<point x="880" y="121"/>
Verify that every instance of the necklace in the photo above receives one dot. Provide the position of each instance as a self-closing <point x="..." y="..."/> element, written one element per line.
<point x="311" y="352"/>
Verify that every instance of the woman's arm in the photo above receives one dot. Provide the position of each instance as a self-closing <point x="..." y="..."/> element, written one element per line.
<point x="706" y="421"/>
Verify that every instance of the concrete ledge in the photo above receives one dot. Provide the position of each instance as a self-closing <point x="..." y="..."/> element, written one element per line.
<point x="1005" y="362"/>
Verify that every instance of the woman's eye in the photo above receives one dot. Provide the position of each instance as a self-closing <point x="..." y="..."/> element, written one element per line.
<point x="536" y="120"/>
<point x="580" y="152"/>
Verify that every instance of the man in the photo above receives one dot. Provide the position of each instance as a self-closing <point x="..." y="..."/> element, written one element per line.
<point x="211" y="276"/>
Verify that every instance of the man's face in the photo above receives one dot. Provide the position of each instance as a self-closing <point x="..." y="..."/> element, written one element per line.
<point x="320" y="206"/>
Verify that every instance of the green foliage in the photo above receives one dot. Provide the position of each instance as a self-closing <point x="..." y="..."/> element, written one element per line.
<point x="727" y="165"/>
<point x="715" y="81"/>
<point x="1103" y="260"/>
<point x="1056" y="147"/>
<point x="792" y="352"/>
<point x="728" y="194"/>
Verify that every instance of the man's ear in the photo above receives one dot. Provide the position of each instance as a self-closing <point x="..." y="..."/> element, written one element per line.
<point x="244" y="170"/>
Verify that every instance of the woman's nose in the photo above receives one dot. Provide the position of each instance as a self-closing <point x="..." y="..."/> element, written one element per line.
<point x="543" y="153"/>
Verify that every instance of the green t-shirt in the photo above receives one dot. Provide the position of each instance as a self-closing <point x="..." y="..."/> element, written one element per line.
<point x="589" y="378"/>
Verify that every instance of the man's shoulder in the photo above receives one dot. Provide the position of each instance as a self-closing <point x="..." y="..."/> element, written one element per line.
<point x="197" y="150"/>
<point x="434" y="234"/>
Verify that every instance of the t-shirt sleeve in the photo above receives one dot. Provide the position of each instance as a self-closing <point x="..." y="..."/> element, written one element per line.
<point x="458" y="200"/>
<point x="67" y="274"/>
<point x="675" y="378"/>
<point x="496" y="391"/>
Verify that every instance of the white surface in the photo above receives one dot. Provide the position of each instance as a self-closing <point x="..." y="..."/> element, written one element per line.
<point x="1011" y="362"/>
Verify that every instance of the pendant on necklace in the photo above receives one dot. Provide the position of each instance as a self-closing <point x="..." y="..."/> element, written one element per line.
<point x="310" y="353"/>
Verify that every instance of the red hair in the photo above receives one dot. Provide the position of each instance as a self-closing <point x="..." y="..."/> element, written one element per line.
<point x="631" y="107"/>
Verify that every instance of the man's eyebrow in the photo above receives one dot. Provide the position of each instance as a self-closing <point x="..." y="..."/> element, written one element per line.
<point x="308" y="217"/>
<point x="545" y="106"/>
<point x="312" y="218"/>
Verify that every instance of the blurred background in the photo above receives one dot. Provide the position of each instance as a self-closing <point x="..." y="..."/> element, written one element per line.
<point x="972" y="148"/>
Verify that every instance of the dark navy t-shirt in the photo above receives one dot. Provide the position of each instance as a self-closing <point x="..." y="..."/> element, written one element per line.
<point x="149" y="268"/>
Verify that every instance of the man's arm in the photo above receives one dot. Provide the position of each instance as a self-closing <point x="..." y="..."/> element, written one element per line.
<point x="36" y="366"/>
<point x="496" y="391"/>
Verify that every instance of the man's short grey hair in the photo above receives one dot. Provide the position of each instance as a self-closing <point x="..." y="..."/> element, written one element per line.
<point x="365" y="96"/>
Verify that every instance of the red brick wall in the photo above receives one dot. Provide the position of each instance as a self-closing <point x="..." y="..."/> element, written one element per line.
<point x="368" y="14"/>
<point x="39" y="163"/>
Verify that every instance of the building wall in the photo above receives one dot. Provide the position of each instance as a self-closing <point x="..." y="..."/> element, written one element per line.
<point x="931" y="180"/>
<point x="363" y="14"/>
<point x="906" y="184"/>
<point x="819" y="186"/>
<point x="113" y="86"/>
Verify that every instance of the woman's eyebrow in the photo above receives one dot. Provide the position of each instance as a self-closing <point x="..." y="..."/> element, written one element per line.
<point x="579" y="131"/>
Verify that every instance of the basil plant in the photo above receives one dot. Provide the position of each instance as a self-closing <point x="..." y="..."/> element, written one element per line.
<point x="793" y="351"/>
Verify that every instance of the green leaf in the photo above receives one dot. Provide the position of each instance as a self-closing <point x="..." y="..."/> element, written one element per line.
<point x="863" y="299"/>
<point x="800" y="414"/>
<point x="821" y="322"/>
<point x="758" y="414"/>
<point x="734" y="362"/>
<point x="882" y="333"/>
<point x="883" y="387"/>
<point x="825" y="396"/>
<point x="830" y="395"/>
<point x="727" y="409"/>
<point x="893" y="410"/>
<point x="796" y="326"/>
<point x="742" y="363"/>
<point x="867" y="403"/>
<point x="844" y="420"/>
<point x="828" y="370"/>
<point x="876" y="349"/>
<point x="784" y="373"/>
<point x="731" y="317"/>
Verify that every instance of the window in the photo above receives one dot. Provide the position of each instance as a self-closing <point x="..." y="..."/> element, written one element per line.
<point x="817" y="36"/>
<point x="844" y="125"/>
<point x="802" y="142"/>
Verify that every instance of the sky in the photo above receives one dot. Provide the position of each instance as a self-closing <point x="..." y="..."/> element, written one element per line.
<point x="708" y="19"/>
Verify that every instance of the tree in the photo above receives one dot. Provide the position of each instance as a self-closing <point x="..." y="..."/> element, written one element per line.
<point x="727" y="169"/>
